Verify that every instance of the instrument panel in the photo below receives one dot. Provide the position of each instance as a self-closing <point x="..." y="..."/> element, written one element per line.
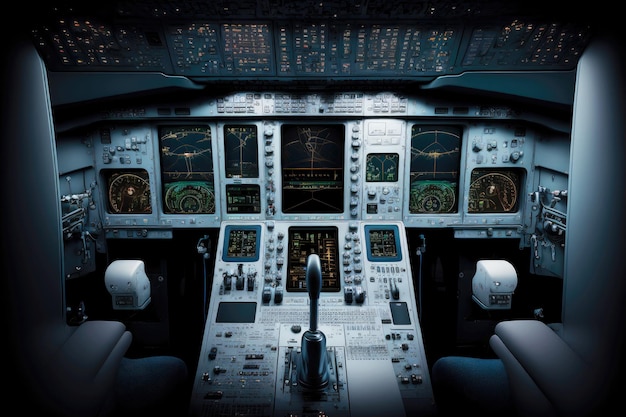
<point x="285" y="177"/>
<point x="291" y="157"/>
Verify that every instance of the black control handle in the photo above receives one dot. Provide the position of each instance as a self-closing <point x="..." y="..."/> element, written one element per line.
<point x="314" y="287"/>
<point x="313" y="370"/>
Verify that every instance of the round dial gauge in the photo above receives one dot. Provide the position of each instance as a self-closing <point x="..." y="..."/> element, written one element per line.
<point x="493" y="192"/>
<point x="129" y="193"/>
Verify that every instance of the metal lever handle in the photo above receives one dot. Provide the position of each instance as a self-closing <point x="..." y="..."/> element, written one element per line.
<point x="314" y="287"/>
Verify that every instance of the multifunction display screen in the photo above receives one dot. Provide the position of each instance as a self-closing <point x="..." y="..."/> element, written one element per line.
<point x="187" y="169"/>
<point x="243" y="198"/>
<point x="241" y="150"/>
<point x="434" y="169"/>
<point x="304" y="241"/>
<point x="382" y="167"/>
<point x="312" y="159"/>
<point x="383" y="243"/>
<point x="241" y="243"/>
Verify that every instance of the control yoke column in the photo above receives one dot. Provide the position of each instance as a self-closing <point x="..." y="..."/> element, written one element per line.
<point x="313" y="370"/>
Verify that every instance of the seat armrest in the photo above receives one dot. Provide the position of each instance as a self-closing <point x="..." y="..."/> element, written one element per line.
<point x="82" y="372"/>
<point x="559" y="373"/>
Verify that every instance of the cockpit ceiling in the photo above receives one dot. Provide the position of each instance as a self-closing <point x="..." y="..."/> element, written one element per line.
<point x="308" y="40"/>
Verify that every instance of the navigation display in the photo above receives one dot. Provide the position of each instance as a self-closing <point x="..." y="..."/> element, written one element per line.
<point x="312" y="158"/>
<point x="304" y="241"/>
<point x="241" y="151"/>
<point x="187" y="169"/>
<point x="434" y="172"/>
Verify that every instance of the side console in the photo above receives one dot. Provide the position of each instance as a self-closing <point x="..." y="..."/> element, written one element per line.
<point x="350" y="324"/>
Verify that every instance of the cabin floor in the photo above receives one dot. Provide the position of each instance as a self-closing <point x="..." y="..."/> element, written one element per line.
<point x="452" y="323"/>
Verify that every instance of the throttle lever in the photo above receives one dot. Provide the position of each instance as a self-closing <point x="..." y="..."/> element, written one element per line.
<point x="314" y="287"/>
<point x="313" y="369"/>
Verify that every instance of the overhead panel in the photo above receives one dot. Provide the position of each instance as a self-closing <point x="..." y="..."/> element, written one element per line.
<point x="275" y="40"/>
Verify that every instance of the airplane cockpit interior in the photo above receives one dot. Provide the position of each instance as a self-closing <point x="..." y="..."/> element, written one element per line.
<point x="314" y="208"/>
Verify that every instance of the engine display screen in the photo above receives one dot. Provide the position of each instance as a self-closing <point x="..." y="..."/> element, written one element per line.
<point x="434" y="172"/>
<point x="494" y="190"/>
<point x="383" y="243"/>
<point x="382" y="167"/>
<point x="312" y="161"/>
<point x="304" y="241"/>
<point x="187" y="169"/>
<point x="241" y="243"/>
<point x="243" y="198"/>
<point x="241" y="150"/>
